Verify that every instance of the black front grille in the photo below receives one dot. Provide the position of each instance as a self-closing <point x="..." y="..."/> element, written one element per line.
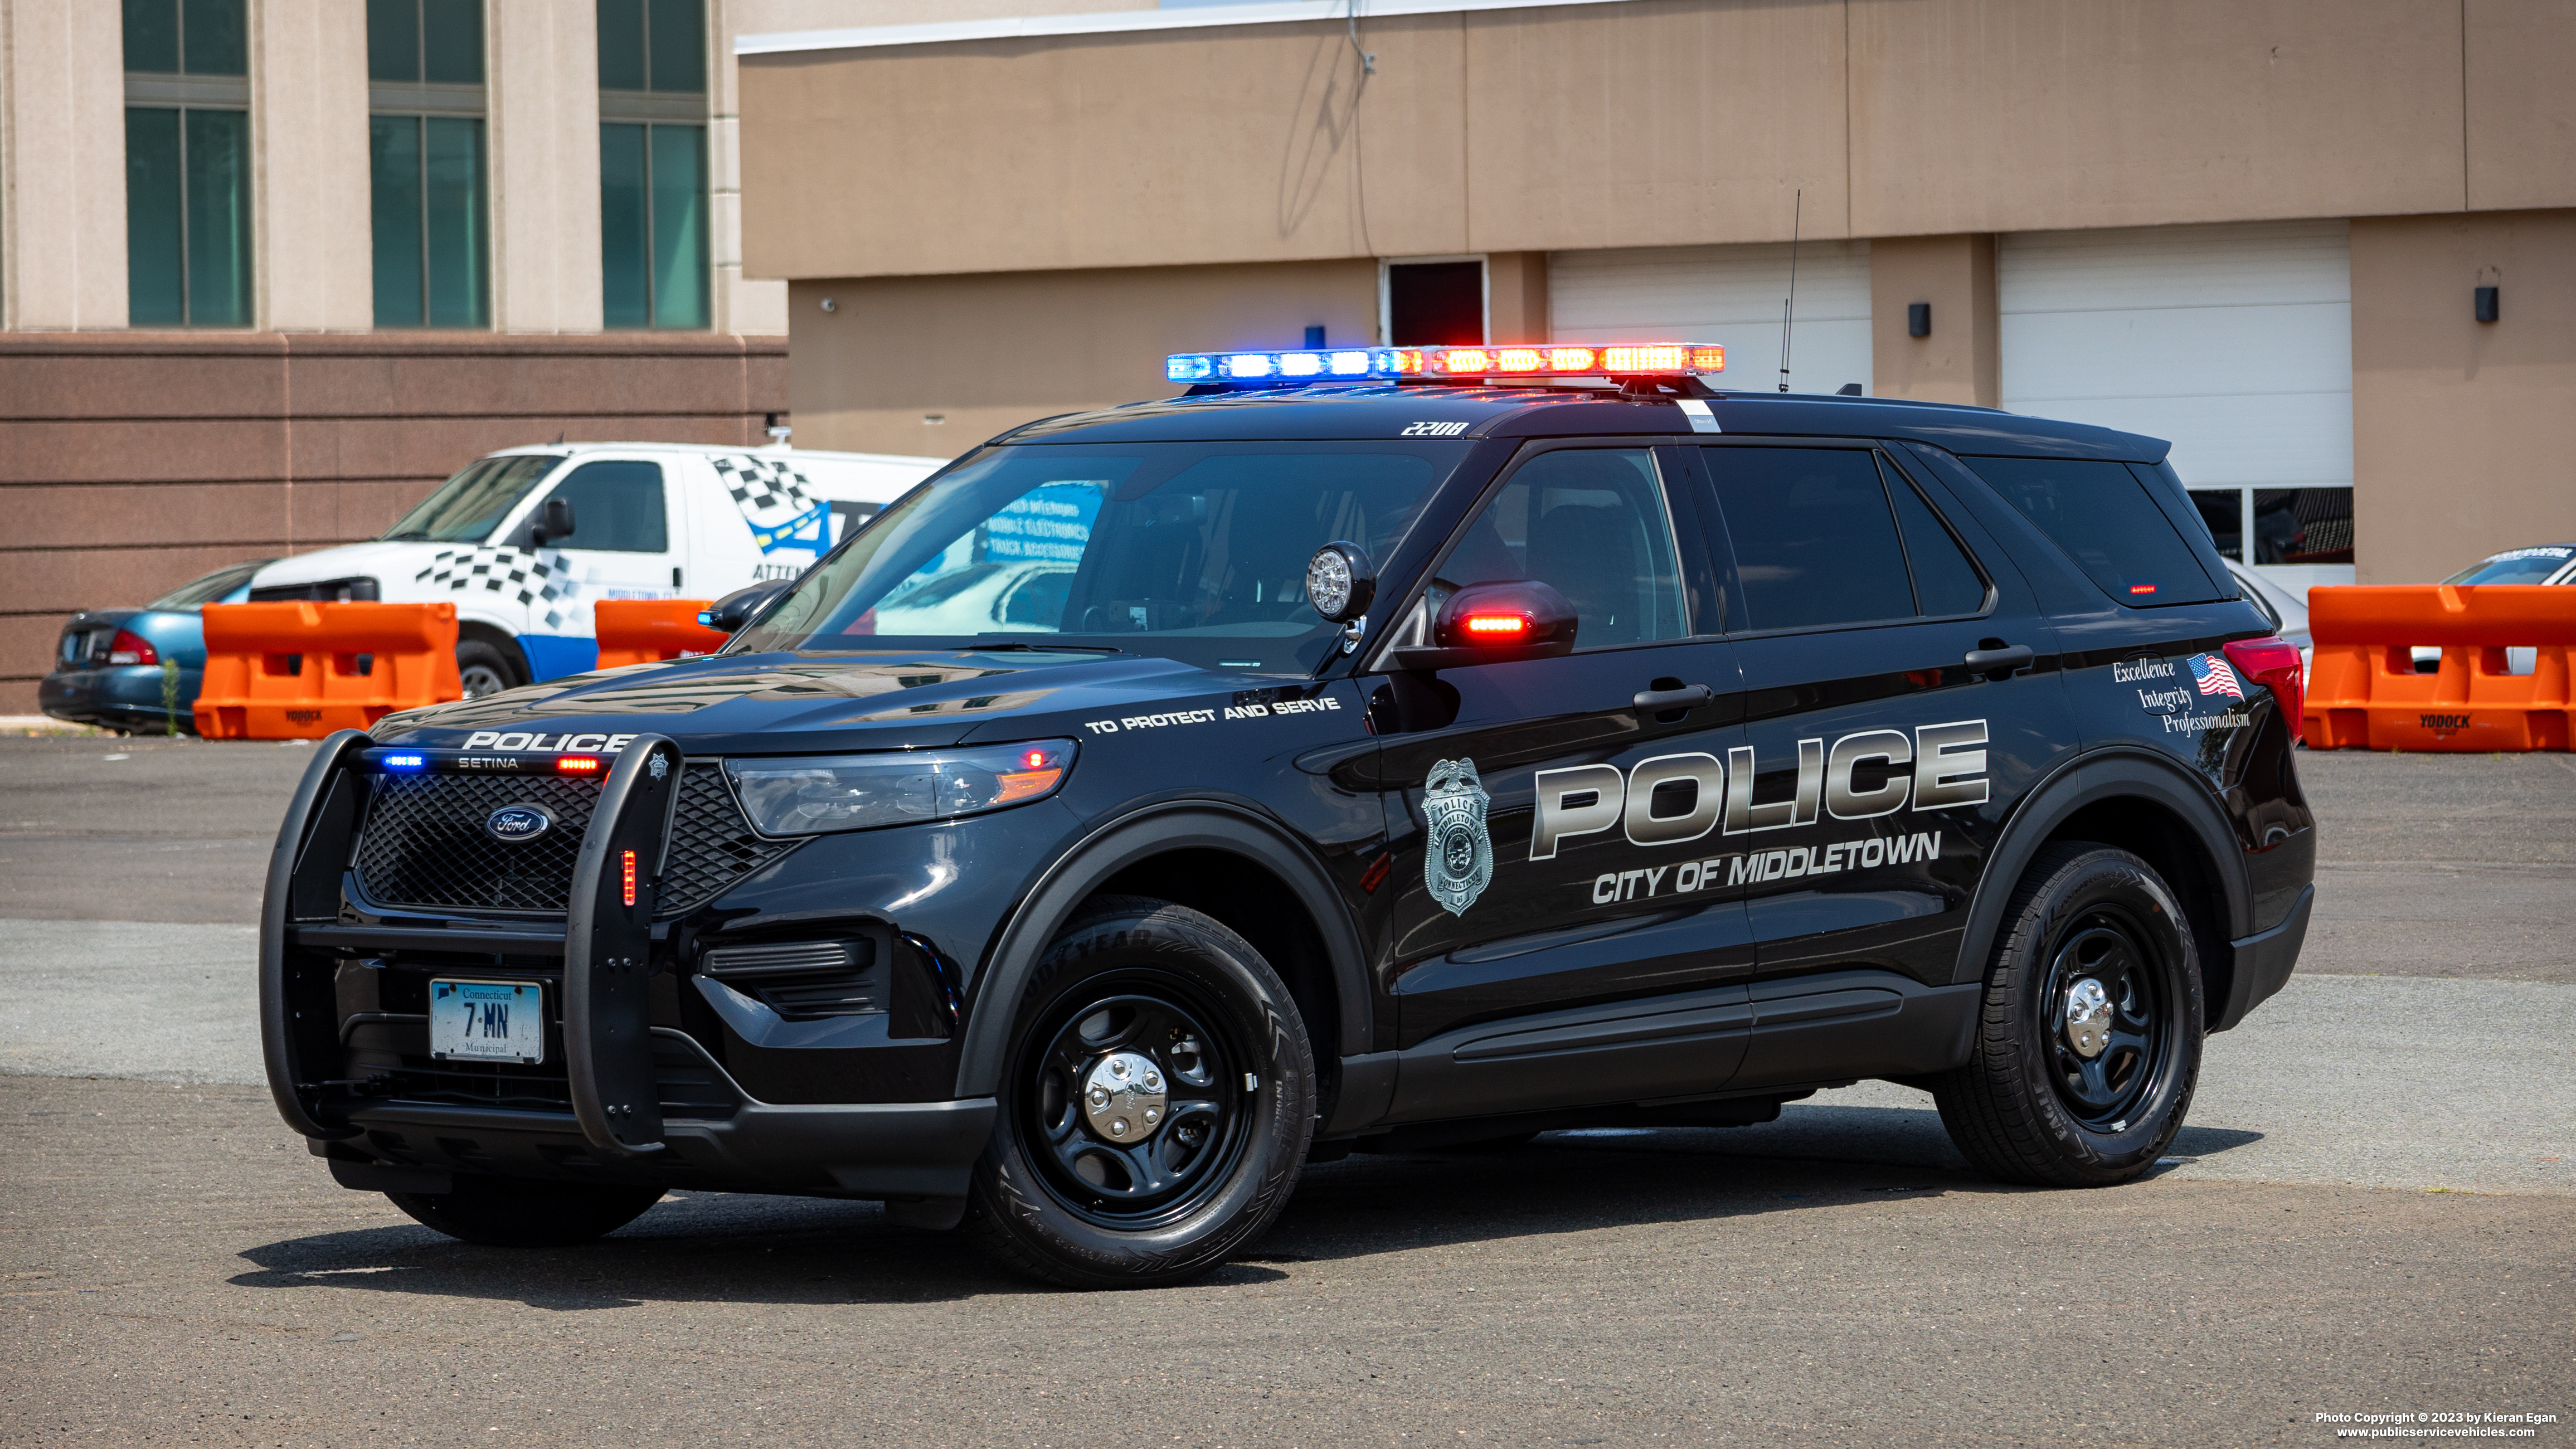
<point x="686" y="1084"/>
<point x="712" y="845"/>
<point x="425" y="844"/>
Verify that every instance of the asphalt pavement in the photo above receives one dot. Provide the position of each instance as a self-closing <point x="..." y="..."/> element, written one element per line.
<point x="2370" y="1212"/>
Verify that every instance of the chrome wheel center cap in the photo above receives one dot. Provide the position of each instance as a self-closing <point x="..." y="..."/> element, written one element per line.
<point x="1122" y="1097"/>
<point x="2088" y="1018"/>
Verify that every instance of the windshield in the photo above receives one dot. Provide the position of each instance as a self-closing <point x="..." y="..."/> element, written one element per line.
<point x="1182" y="550"/>
<point x="467" y="507"/>
<point x="211" y="588"/>
<point x="2515" y="566"/>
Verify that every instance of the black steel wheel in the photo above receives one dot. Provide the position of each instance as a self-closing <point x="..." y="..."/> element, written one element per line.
<point x="2088" y="1043"/>
<point x="1136" y="1099"/>
<point x="1157" y="1105"/>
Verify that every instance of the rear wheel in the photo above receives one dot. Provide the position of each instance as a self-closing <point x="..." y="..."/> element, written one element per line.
<point x="501" y="1213"/>
<point x="2088" y="1046"/>
<point x="486" y="668"/>
<point x="1158" y="1104"/>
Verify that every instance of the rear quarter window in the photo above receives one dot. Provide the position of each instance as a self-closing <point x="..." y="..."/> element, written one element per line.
<point x="2103" y="517"/>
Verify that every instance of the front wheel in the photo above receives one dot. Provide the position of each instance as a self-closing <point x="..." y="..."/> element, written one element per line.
<point x="2088" y="1045"/>
<point x="1159" y="1098"/>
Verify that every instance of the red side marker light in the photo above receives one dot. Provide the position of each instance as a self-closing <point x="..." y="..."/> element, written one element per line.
<point x="2142" y="588"/>
<point x="577" y="764"/>
<point x="1501" y="628"/>
<point x="626" y="868"/>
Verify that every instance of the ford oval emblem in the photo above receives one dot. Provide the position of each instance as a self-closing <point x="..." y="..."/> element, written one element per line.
<point x="512" y="824"/>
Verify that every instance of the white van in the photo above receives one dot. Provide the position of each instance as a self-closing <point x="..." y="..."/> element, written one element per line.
<point x="636" y="521"/>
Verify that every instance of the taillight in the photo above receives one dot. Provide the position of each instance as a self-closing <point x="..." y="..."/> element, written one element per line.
<point x="129" y="647"/>
<point x="2274" y="663"/>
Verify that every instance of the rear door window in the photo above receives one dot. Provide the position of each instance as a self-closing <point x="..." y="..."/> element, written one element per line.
<point x="1817" y="545"/>
<point x="2102" y="517"/>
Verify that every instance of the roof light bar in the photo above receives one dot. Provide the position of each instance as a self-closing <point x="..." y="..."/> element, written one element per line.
<point x="1539" y="359"/>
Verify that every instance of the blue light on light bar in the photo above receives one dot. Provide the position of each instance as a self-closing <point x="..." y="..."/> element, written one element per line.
<point x="1296" y="366"/>
<point x="405" y="762"/>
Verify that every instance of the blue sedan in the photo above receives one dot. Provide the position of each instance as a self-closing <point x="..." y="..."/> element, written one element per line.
<point x="137" y="670"/>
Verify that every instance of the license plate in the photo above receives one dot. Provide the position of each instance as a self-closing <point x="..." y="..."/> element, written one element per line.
<point x="487" y="1021"/>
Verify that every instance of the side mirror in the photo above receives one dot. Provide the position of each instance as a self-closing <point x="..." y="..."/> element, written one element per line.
<point x="554" y="521"/>
<point x="731" y="613"/>
<point x="1495" y="624"/>
<point x="1340" y="581"/>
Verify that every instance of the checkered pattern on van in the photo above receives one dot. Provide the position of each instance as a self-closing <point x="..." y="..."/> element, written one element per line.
<point x="764" y="486"/>
<point x="534" y="579"/>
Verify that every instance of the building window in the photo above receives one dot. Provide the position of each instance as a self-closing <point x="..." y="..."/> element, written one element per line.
<point x="2287" y="525"/>
<point x="653" y="163"/>
<point x="426" y="158"/>
<point x="187" y="164"/>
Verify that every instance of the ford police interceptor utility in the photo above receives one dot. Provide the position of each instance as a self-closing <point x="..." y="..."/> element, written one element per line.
<point x="523" y="542"/>
<point x="1387" y="748"/>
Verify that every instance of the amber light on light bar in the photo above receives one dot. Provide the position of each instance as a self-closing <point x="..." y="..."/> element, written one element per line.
<point x="1569" y="359"/>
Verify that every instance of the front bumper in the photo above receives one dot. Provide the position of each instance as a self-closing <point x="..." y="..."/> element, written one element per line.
<point x="124" y="696"/>
<point x="631" y="1101"/>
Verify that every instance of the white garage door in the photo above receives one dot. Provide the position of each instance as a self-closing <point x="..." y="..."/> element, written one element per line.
<point x="1727" y="295"/>
<point x="2234" y="342"/>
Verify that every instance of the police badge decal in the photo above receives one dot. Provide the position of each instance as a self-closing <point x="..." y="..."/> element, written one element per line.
<point x="1458" y="861"/>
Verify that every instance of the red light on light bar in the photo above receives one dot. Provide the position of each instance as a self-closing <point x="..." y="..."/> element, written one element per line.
<point x="577" y="764"/>
<point x="1565" y="359"/>
<point x="627" y="866"/>
<point x="2142" y="588"/>
<point x="1497" y="626"/>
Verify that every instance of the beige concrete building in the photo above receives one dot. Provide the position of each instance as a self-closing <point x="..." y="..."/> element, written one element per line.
<point x="269" y="269"/>
<point x="2257" y="229"/>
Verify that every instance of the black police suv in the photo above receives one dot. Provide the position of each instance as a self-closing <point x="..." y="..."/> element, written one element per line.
<point x="1336" y="756"/>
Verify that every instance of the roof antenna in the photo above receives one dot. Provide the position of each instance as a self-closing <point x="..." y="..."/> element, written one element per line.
<point x="1789" y="308"/>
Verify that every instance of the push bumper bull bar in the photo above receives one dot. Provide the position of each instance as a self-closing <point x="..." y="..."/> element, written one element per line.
<point x="897" y="1150"/>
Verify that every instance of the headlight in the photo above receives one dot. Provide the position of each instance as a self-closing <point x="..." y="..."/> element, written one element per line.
<point x="860" y="792"/>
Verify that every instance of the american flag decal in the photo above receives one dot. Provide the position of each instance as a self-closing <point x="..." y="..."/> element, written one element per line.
<point x="2215" y="677"/>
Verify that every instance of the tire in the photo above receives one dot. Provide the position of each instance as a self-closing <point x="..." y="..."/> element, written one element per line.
<point x="2088" y="1044"/>
<point x="1144" y="992"/>
<point x="500" y="1213"/>
<point x="486" y="668"/>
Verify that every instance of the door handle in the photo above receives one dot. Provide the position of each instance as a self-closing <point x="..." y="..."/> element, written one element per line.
<point x="1999" y="661"/>
<point x="1652" y="701"/>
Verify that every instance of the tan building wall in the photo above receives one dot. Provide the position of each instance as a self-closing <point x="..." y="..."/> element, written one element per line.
<point x="310" y="247"/>
<point x="1658" y="122"/>
<point x="1958" y="362"/>
<point x="935" y="365"/>
<point x="62" y="133"/>
<point x="267" y="443"/>
<point x="2459" y="427"/>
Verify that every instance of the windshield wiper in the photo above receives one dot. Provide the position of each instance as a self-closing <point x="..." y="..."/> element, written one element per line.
<point x="1064" y="648"/>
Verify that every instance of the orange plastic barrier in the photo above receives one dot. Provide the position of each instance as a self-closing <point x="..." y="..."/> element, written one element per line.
<point x="292" y="671"/>
<point x="2364" y="693"/>
<point x="640" y="631"/>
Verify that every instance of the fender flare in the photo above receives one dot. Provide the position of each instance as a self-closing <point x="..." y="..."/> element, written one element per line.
<point x="2088" y="778"/>
<point x="1181" y="825"/>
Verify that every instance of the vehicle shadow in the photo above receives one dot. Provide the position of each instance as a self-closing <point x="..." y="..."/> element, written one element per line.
<point x="739" y="1247"/>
